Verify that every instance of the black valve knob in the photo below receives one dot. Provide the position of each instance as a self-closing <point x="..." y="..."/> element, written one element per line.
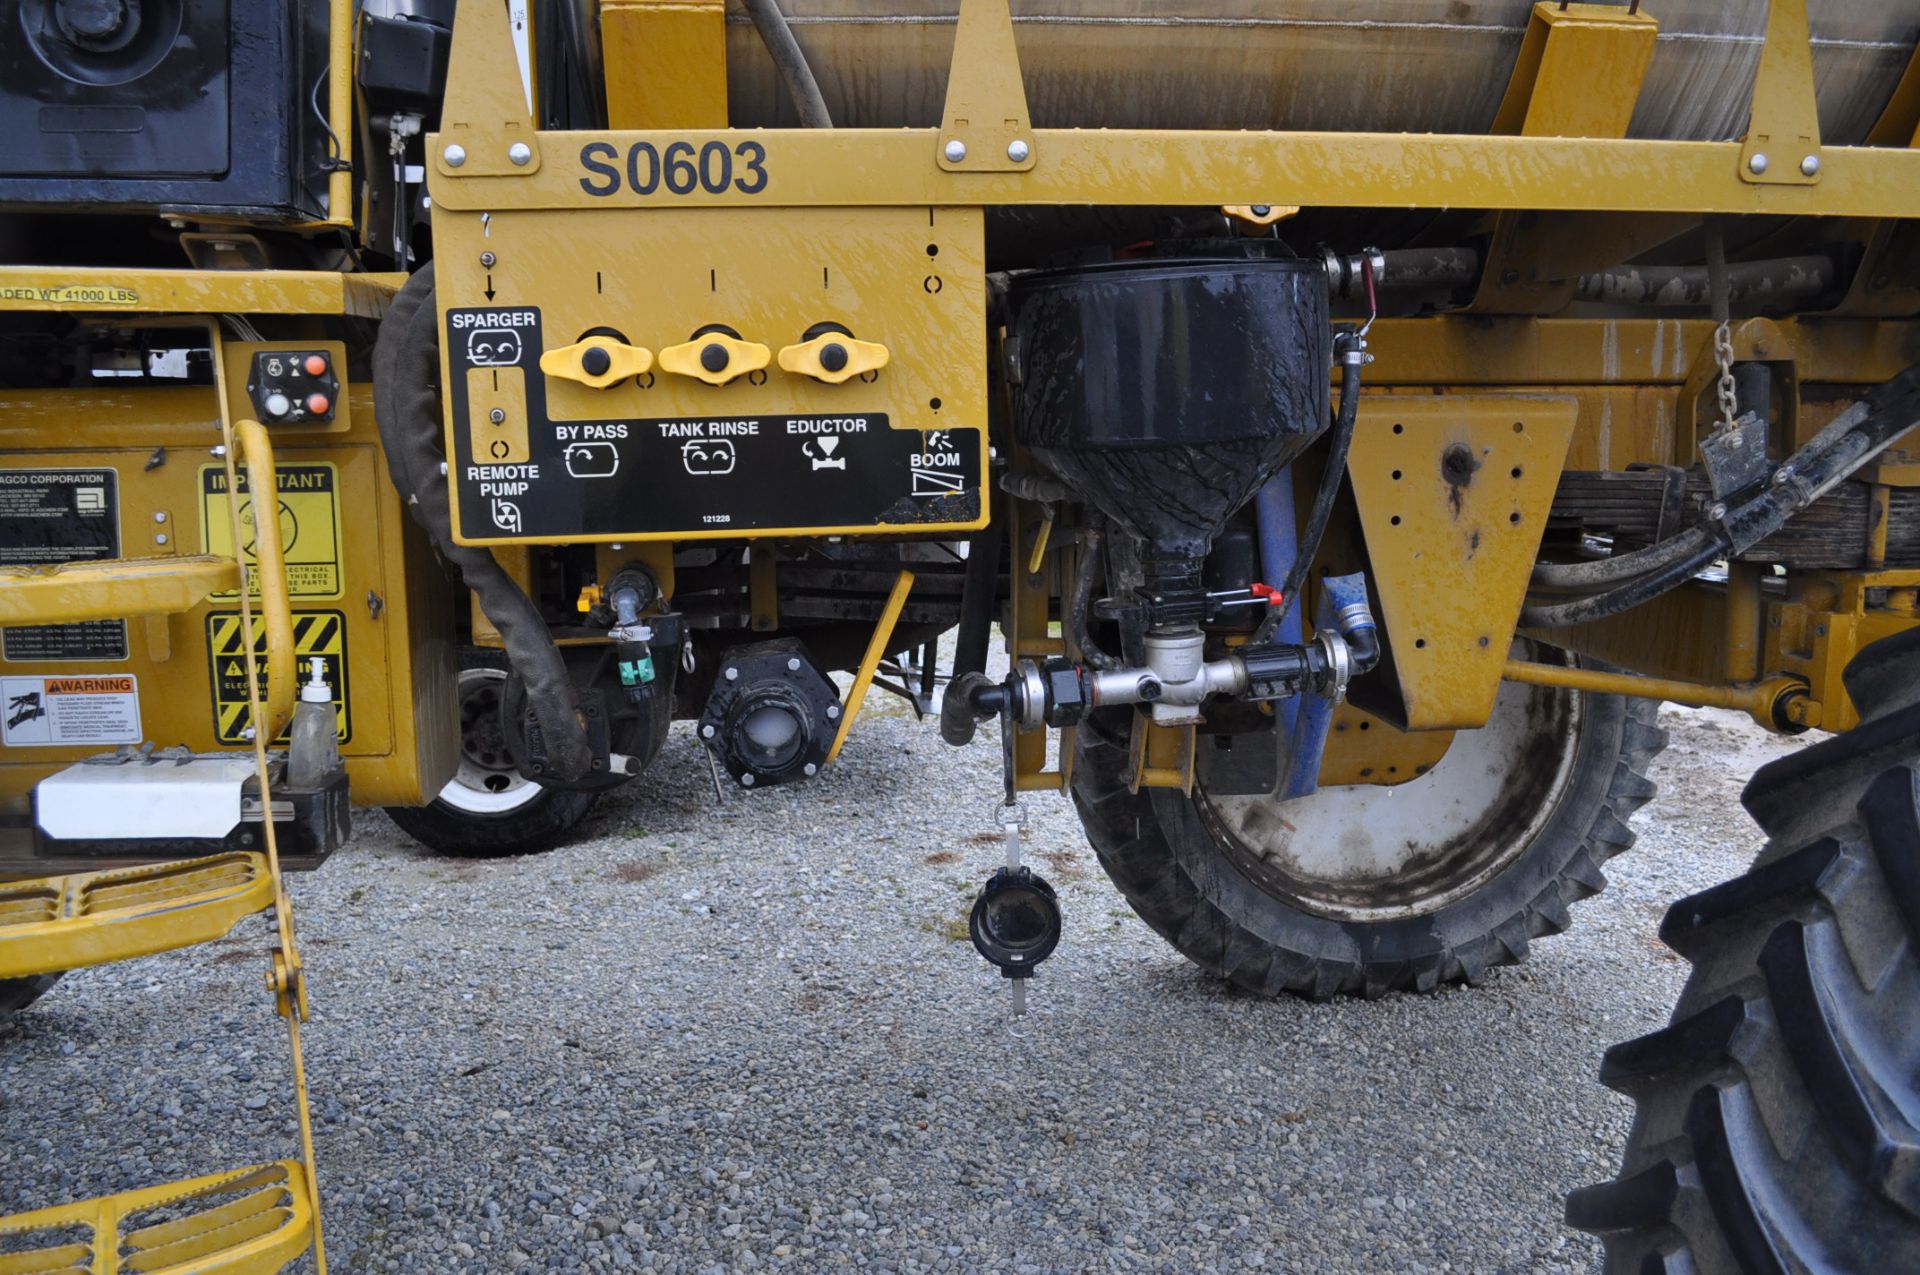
<point x="595" y="361"/>
<point x="714" y="357"/>
<point x="833" y="357"/>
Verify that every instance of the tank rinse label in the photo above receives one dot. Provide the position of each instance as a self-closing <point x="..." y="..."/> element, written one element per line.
<point x="51" y="516"/>
<point x="54" y="712"/>
<point x="660" y="475"/>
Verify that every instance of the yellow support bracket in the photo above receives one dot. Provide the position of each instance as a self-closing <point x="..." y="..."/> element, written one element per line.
<point x="870" y="662"/>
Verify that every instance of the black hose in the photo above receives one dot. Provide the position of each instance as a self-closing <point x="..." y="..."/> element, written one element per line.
<point x="1331" y="477"/>
<point x="777" y="35"/>
<point x="1598" y="573"/>
<point x="406" y="367"/>
<point x="1622" y="597"/>
<point x="979" y="598"/>
<point x="1080" y="600"/>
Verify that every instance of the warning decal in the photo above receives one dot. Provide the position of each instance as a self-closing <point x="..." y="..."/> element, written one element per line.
<point x="62" y="711"/>
<point x="315" y="633"/>
<point x="309" y="525"/>
<point x="50" y="516"/>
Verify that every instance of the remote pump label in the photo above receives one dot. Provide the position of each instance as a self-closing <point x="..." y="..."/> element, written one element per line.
<point x="642" y="475"/>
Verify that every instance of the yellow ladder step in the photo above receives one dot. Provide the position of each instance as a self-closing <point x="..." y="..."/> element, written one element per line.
<point x="245" y="1222"/>
<point x="112" y="589"/>
<point x="51" y="924"/>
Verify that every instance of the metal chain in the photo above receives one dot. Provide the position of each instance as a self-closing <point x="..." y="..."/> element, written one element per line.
<point x="1723" y="355"/>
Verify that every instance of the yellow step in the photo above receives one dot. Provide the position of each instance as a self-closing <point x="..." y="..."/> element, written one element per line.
<point x="112" y="589"/>
<point x="51" y="924"/>
<point x="244" y="1222"/>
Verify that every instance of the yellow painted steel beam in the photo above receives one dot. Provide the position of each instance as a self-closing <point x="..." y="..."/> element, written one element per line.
<point x="1770" y="703"/>
<point x="75" y="289"/>
<point x="113" y="589"/>
<point x="876" y="651"/>
<point x="666" y="63"/>
<point x="271" y="575"/>
<point x="251" y="1221"/>
<point x="51" y="924"/>
<point x="846" y="167"/>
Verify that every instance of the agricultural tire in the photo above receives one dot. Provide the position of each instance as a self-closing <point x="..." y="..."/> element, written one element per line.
<point x="488" y="809"/>
<point x="18" y="993"/>
<point x="1458" y="869"/>
<point x="1777" y="1117"/>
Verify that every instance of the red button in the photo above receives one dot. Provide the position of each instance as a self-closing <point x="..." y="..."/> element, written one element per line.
<point x="316" y="365"/>
<point x="318" y="404"/>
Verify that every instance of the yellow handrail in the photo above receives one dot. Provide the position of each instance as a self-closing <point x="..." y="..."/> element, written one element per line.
<point x="270" y="570"/>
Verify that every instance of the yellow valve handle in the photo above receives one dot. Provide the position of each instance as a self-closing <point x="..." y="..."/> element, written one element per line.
<point x="834" y="357"/>
<point x="715" y="358"/>
<point x="1261" y="214"/>
<point x="596" y="362"/>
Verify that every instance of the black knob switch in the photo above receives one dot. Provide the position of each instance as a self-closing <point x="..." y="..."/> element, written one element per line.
<point x="833" y="357"/>
<point x="595" y="361"/>
<point x="714" y="357"/>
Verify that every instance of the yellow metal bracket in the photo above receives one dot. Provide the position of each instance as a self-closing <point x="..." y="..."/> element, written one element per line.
<point x="985" y="127"/>
<point x="1160" y="756"/>
<point x="486" y="130"/>
<point x="1579" y="74"/>
<point x="1782" y="146"/>
<point x="1771" y="703"/>
<point x="1453" y="494"/>
<point x="666" y="63"/>
<point x="870" y="662"/>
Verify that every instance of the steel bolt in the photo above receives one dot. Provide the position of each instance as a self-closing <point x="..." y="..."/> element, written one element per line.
<point x="1810" y="165"/>
<point x="1017" y="151"/>
<point x="811" y="770"/>
<point x="1717" y="512"/>
<point x="746" y="780"/>
<point x="793" y="664"/>
<point x="160" y="517"/>
<point x="455" y="155"/>
<point x="833" y="712"/>
<point x="520" y="153"/>
<point x="956" y="151"/>
<point x="498" y="416"/>
<point x="1783" y="475"/>
<point x="733" y="675"/>
<point x="488" y="260"/>
<point x="160" y="538"/>
<point x="706" y="732"/>
<point x="1758" y="162"/>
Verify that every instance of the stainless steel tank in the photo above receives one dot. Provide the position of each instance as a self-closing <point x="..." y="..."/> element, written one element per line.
<point x="1349" y="65"/>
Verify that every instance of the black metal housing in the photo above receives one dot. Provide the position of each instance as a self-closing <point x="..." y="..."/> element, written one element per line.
<point x="1166" y="390"/>
<point x="183" y="106"/>
<point x="772" y="715"/>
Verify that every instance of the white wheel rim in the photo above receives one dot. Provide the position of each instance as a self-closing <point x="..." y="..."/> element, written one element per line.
<point x="486" y="782"/>
<point x="1372" y="853"/>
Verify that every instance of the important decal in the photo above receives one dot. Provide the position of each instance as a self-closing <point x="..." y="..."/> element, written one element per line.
<point x="56" y="712"/>
<point x="315" y="633"/>
<point x="54" y="516"/>
<point x="309" y="525"/>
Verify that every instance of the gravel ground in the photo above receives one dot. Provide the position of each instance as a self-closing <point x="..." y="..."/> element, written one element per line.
<point x="721" y="1038"/>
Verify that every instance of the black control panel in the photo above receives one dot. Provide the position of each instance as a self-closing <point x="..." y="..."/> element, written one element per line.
<point x="293" y="387"/>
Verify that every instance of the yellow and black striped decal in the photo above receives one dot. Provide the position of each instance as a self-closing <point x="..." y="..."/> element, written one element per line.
<point x="321" y="634"/>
